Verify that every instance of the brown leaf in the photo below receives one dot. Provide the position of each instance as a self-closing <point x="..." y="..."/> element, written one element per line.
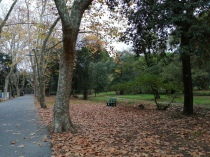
<point x="45" y="139"/>
<point x="13" y="143"/>
<point x="21" y="146"/>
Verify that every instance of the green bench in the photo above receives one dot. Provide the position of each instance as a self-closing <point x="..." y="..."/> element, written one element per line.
<point x="112" y="102"/>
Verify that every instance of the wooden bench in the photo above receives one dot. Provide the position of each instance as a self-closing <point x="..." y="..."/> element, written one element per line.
<point x="112" y="102"/>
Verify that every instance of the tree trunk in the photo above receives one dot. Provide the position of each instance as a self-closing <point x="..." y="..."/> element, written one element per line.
<point x="41" y="81"/>
<point x="17" y="90"/>
<point x="42" y="91"/>
<point x="188" y="89"/>
<point x="70" y="26"/>
<point x="85" y="94"/>
<point x="41" y="70"/>
<point x="7" y="83"/>
<point x="61" y="117"/>
<point x="187" y="76"/>
<point x="6" y="88"/>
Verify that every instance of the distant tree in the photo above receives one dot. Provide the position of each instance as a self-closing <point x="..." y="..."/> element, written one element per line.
<point x="91" y="71"/>
<point x="126" y="68"/>
<point x="200" y="79"/>
<point x="172" y="72"/>
<point x="100" y="73"/>
<point x="52" y="71"/>
<point x="5" y="62"/>
<point x="81" y="79"/>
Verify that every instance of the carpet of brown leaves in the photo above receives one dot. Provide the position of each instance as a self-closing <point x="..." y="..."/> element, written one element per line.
<point x="126" y="131"/>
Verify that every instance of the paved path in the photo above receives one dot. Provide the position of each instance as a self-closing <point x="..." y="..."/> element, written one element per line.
<point x="22" y="133"/>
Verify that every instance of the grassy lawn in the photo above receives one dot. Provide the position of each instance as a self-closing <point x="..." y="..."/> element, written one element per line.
<point x="200" y="98"/>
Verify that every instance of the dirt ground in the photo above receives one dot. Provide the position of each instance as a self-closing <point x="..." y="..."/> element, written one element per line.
<point x="127" y="131"/>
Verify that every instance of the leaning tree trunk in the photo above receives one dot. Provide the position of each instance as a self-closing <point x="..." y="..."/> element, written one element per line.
<point x="70" y="26"/>
<point x="41" y="76"/>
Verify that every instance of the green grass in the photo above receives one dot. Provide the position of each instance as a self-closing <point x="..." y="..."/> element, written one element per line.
<point x="201" y="93"/>
<point x="202" y="100"/>
<point x="132" y="98"/>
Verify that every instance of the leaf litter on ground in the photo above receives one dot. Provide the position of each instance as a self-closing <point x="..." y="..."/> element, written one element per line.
<point x="126" y="131"/>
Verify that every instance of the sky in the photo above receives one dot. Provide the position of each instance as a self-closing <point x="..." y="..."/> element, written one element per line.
<point x="3" y="3"/>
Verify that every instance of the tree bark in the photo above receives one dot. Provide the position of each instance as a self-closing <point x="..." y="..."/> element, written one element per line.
<point x="187" y="76"/>
<point x="41" y="76"/>
<point x="7" y="83"/>
<point x="42" y="91"/>
<point x="70" y="26"/>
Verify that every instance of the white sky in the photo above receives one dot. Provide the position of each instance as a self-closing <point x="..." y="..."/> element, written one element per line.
<point x="6" y="2"/>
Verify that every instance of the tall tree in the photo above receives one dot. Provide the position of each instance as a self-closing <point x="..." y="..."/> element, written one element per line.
<point x="41" y="70"/>
<point x="184" y="16"/>
<point x="176" y="17"/>
<point x="81" y="79"/>
<point x="70" y="27"/>
<point x="13" y="41"/>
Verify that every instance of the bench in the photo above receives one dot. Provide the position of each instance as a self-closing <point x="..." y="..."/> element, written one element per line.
<point x="112" y="102"/>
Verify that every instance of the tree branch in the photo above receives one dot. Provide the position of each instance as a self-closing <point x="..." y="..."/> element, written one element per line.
<point x="20" y="23"/>
<point x="53" y="46"/>
<point x="7" y="16"/>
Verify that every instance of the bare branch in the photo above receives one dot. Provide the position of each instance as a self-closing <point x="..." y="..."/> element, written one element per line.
<point x="7" y="16"/>
<point x="87" y="32"/>
<point x="53" y="46"/>
<point x="19" y="23"/>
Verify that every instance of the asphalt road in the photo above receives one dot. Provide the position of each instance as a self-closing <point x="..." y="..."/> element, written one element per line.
<point x="22" y="133"/>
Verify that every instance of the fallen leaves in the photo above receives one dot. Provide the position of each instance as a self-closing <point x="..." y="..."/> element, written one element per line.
<point x="127" y="131"/>
<point x="13" y="142"/>
<point x="45" y="139"/>
<point x="32" y="133"/>
<point x="21" y="146"/>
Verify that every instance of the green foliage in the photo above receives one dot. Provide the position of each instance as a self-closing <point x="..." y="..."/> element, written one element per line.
<point x="148" y="81"/>
<point x="81" y="79"/>
<point x="200" y="78"/>
<point x="187" y="20"/>
<point x="127" y="87"/>
<point x="92" y="71"/>
<point x="5" y="63"/>
<point x="137" y="77"/>
<point x="172" y="73"/>
<point x="52" y="72"/>
<point x="127" y="67"/>
<point x="99" y="76"/>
